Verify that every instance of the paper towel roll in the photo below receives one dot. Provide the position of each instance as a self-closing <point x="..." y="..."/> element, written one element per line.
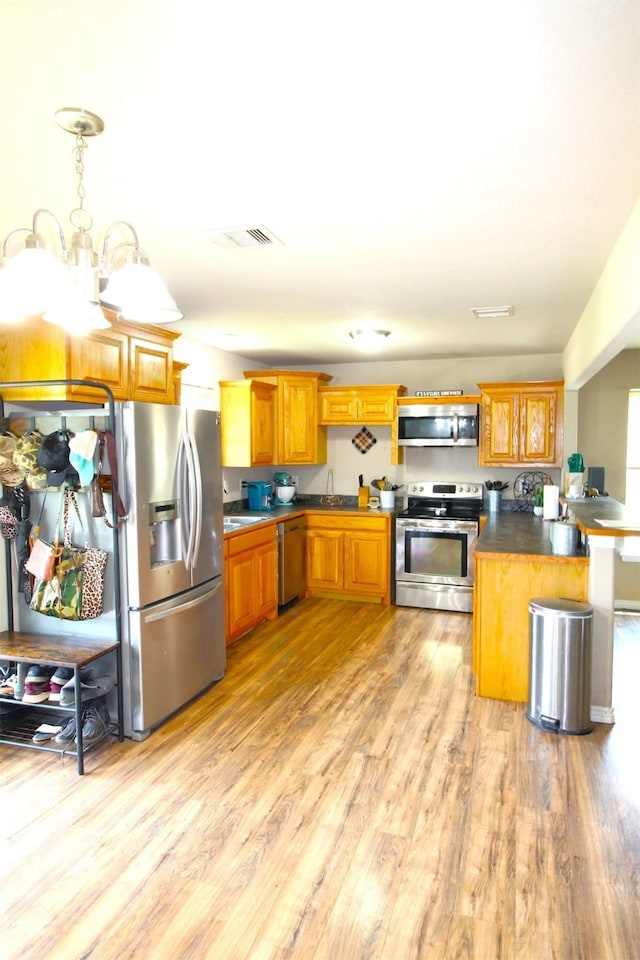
<point x="550" y="501"/>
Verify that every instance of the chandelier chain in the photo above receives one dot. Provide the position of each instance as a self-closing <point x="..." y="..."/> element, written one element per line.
<point x="79" y="217"/>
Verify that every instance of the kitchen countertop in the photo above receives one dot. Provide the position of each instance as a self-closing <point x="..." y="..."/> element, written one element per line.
<point x="521" y="534"/>
<point x="302" y="506"/>
<point x="524" y="534"/>
<point x="591" y="509"/>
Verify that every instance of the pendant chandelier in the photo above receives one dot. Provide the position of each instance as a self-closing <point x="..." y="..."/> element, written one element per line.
<point x="68" y="284"/>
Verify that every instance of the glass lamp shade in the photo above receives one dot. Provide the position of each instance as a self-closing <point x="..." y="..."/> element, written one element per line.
<point x="138" y="294"/>
<point x="31" y="281"/>
<point x="77" y="317"/>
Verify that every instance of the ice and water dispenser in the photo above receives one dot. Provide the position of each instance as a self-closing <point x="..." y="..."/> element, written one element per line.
<point x="164" y="532"/>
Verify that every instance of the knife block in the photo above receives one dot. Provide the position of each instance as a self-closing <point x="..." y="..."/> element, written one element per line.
<point x="363" y="496"/>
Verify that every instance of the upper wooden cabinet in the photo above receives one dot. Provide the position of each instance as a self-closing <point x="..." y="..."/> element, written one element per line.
<point x="134" y="360"/>
<point x="248" y="423"/>
<point x="521" y="424"/>
<point x="300" y="439"/>
<point x="359" y="405"/>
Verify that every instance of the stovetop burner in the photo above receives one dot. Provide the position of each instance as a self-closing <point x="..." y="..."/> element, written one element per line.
<point x="426" y="498"/>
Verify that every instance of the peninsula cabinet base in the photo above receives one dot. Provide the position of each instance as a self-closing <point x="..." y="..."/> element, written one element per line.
<point x="503" y="587"/>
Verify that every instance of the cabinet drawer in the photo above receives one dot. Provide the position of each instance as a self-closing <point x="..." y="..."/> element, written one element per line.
<point x="342" y="521"/>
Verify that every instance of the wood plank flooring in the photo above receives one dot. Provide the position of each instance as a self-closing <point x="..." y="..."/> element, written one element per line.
<point x="340" y="794"/>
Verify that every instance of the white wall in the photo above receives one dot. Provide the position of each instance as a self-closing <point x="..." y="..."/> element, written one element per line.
<point x="611" y="320"/>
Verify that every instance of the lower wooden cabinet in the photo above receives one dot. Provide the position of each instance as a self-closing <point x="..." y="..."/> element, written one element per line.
<point x="251" y="580"/>
<point x="349" y="556"/>
<point x="503" y="587"/>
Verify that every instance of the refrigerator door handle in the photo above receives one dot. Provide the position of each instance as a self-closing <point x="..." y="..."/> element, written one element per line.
<point x="185" y="485"/>
<point x="197" y="502"/>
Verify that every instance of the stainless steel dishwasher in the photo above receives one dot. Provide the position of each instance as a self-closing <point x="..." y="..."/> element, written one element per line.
<point x="291" y="559"/>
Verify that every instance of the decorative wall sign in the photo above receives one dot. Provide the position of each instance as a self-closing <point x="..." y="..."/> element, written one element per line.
<point x="363" y="440"/>
<point x="439" y="393"/>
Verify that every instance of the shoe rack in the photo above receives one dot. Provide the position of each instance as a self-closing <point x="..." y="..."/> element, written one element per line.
<point x="19" y="720"/>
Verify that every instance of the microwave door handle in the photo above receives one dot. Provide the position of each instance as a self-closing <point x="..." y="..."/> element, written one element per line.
<point x="455" y="428"/>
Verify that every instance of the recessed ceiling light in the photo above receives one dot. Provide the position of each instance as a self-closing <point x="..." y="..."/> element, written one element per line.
<point x="369" y="340"/>
<point x="484" y="313"/>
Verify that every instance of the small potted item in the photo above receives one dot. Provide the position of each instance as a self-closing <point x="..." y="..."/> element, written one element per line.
<point x="538" y="501"/>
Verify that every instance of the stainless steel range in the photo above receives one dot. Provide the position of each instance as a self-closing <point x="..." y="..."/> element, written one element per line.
<point x="435" y="544"/>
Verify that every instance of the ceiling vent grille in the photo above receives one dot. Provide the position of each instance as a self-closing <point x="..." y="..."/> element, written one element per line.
<point x="246" y="237"/>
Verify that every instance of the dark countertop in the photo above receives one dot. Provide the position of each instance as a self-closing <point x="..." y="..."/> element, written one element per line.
<point x="302" y="505"/>
<point x="522" y="534"/>
<point x="588" y="511"/>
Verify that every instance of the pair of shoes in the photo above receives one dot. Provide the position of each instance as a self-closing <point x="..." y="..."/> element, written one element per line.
<point x="90" y="688"/>
<point x="36" y="684"/>
<point x="95" y="723"/>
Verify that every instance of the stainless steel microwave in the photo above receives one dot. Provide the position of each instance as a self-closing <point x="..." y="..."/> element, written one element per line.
<point x="438" y="425"/>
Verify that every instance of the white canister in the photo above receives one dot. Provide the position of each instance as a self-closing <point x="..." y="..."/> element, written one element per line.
<point x="387" y="499"/>
<point x="564" y="538"/>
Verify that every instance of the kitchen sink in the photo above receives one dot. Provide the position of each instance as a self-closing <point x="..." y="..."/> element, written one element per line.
<point x="234" y="523"/>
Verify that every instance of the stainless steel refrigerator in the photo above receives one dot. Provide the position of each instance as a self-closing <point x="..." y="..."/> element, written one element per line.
<point x="169" y="464"/>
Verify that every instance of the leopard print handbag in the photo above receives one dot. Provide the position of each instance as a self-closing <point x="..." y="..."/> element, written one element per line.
<point x="95" y="562"/>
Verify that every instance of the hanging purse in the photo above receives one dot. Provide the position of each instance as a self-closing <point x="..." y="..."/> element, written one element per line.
<point x="76" y="589"/>
<point x="41" y="560"/>
<point x="95" y="562"/>
<point x="60" y="595"/>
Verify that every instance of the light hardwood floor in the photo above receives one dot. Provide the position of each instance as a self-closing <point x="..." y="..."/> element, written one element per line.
<point x="340" y="794"/>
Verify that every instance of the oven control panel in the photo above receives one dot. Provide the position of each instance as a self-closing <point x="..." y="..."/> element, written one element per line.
<point x="438" y="488"/>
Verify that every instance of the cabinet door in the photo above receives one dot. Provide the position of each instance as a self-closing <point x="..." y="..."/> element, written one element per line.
<point x="366" y="562"/>
<point x="298" y="420"/>
<point x="263" y="424"/>
<point x="325" y="559"/>
<point x="265" y="577"/>
<point x="538" y="427"/>
<point x="241" y="594"/>
<point x="376" y="407"/>
<point x="338" y="407"/>
<point x="500" y="429"/>
<point x="151" y="371"/>
<point x="102" y="356"/>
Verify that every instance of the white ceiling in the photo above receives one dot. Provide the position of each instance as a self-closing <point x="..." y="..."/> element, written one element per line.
<point x="415" y="159"/>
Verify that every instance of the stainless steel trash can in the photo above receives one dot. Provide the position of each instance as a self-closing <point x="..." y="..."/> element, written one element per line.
<point x="560" y="640"/>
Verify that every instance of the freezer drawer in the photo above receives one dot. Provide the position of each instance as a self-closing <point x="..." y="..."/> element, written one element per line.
<point x="174" y="651"/>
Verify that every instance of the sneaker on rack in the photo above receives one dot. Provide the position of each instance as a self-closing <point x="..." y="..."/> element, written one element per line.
<point x="38" y="673"/>
<point x="35" y="691"/>
<point x="8" y="686"/>
<point x="95" y="723"/>
<point x="89" y="689"/>
<point x="48" y="730"/>
<point x="68" y="732"/>
<point x="57" y="682"/>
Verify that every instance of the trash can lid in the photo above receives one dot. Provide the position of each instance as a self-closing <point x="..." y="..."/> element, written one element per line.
<point x="560" y="607"/>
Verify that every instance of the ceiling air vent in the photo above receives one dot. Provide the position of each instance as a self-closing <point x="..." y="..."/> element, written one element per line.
<point x="246" y="237"/>
<point x="485" y="313"/>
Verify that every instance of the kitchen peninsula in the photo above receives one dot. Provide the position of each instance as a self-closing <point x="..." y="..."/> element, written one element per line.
<point x="514" y="563"/>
